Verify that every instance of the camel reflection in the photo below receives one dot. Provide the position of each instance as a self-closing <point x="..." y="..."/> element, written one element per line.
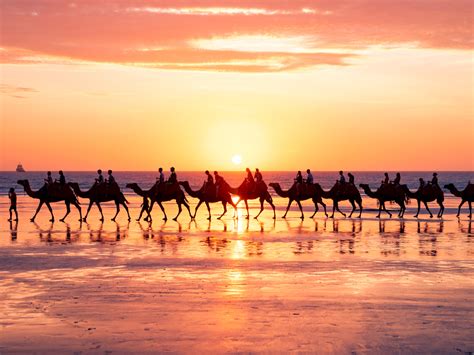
<point x="427" y="241"/>
<point x="304" y="247"/>
<point x="99" y="235"/>
<point x="52" y="235"/>
<point x="467" y="229"/>
<point x="214" y="244"/>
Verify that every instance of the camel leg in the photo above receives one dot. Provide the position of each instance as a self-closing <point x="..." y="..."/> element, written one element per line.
<point x="270" y="202"/>
<point x="333" y="208"/>
<point x="380" y="209"/>
<point x="301" y="209"/>
<point x="117" y="210"/>
<point x="287" y="208"/>
<point x="165" y="218"/>
<point x="338" y="210"/>
<point x="385" y="209"/>
<point x="428" y="209"/>
<point x="37" y="210"/>
<point x="100" y="210"/>
<point x="88" y="210"/>
<point x="316" y="208"/>
<point x="261" y="207"/>
<point x="179" y="211"/>
<point x="76" y="204"/>
<point x="247" y="208"/>
<point x="126" y="209"/>
<point x="188" y="208"/>
<point x="353" y="207"/>
<point x="224" y="204"/>
<point x="459" y="208"/>
<point x="197" y="207"/>
<point x="418" y="210"/>
<point x="360" y="208"/>
<point x="68" y="210"/>
<point x="50" y="211"/>
<point x="441" y="209"/>
<point x="470" y="209"/>
<point x="236" y="215"/>
<point x="208" y="210"/>
<point x="324" y="206"/>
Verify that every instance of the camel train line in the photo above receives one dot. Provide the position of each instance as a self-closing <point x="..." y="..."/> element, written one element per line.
<point x="217" y="190"/>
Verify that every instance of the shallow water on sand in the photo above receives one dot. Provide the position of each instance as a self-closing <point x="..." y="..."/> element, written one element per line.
<point x="345" y="285"/>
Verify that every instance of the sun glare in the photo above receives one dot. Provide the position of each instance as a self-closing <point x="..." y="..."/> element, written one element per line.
<point x="237" y="159"/>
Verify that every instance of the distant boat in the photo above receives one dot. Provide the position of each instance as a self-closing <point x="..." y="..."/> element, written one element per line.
<point x="20" y="169"/>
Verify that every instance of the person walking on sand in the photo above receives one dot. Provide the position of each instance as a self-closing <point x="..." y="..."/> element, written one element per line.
<point x="145" y="208"/>
<point x="12" y="197"/>
<point x="309" y="177"/>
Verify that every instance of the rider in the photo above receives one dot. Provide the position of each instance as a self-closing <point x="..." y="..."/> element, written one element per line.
<point x="298" y="182"/>
<point x="434" y="180"/>
<point x="219" y="181"/>
<point x="173" y="179"/>
<point x="249" y="181"/>
<point x="49" y="178"/>
<point x="422" y="183"/>
<point x="386" y="180"/>
<point x="100" y="178"/>
<point x="161" y="177"/>
<point x="258" y="176"/>
<point x="309" y="177"/>
<point x="110" y="179"/>
<point x="342" y="179"/>
<point x="209" y="184"/>
<point x="351" y="178"/>
<point x="62" y="178"/>
<point x="396" y="182"/>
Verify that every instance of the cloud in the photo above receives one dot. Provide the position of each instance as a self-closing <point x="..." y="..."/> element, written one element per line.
<point x="225" y="34"/>
<point x="17" y="92"/>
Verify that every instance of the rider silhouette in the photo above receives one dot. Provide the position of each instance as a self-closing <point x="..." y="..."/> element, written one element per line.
<point x="209" y="183"/>
<point x="219" y="180"/>
<point x="397" y="179"/>
<point x="173" y="179"/>
<point x="62" y="178"/>
<point x="49" y="178"/>
<point x="434" y="180"/>
<point x="422" y="184"/>
<point x="100" y="178"/>
<point x="111" y="179"/>
<point x="258" y="175"/>
<point x="351" y="178"/>
<point x="298" y="182"/>
<point x="309" y="177"/>
<point x="161" y="177"/>
<point x="386" y="180"/>
<point x="342" y="179"/>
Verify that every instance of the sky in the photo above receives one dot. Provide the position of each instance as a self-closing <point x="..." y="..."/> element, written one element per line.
<point x="206" y="84"/>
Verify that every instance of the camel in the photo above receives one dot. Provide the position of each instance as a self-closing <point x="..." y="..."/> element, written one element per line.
<point x="159" y="194"/>
<point x="341" y="192"/>
<point x="387" y="192"/>
<point x="101" y="193"/>
<point x="307" y="192"/>
<point x="427" y="194"/>
<point x="467" y="195"/>
<point x="224" y="197"/>
<point x="50" y="194"/>
<point x="259" y="191"/>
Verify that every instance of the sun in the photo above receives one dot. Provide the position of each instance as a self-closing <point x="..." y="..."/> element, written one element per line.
<point x="237" y="159"/>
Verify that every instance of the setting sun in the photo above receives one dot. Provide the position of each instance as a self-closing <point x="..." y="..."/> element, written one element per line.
<point x="237" y="159"/>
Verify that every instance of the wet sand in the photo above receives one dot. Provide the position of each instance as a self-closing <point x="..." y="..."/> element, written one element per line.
<point x="343" y="285"/>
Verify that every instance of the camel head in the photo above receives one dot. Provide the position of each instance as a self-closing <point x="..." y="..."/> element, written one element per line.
<point x="450" y="187"/>
<point x="183" y="183"/>
<point x="275" y="185"/>
<point x="132" y="185"/>
<point x="23" y="182"/>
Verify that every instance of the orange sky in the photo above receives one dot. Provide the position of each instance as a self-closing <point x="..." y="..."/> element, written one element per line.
<point x="133" y="85"/>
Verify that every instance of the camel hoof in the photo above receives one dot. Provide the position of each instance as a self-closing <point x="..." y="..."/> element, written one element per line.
<point x="377" y="216"/>
<point x="274" y="217"/>
<point x="219" y="218"/>
<point x="165" y="219"/>
<point x="138" y="220"/>
<point x="61" y="220"/>
<point x="175" y="219"/>
<point x="431" y="216"/>
<point x="112" y="219"/>
<point x="32" y="219"/>
<point x="390" y="216"/>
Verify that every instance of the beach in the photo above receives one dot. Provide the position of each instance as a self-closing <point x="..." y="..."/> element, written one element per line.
<point x="236" y="285"/>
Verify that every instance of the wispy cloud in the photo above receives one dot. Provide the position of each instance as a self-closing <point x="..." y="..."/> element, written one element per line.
<point x="18" y="92"/>
<point x="226" y="34"/>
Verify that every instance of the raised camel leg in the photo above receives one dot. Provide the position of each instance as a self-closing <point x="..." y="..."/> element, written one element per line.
<point x="324" y="206"/>
<point x="441" y="209"/>
<point x="261" y="208"/>
<point x="37" y="210"/>
<point x="117" y="210"/>
<point x="187" y="207"/>
<point x="428" y="209"/>
<point x="270" y="202"/>
<point x="165" y="218"/>
<point x="224" y="204"/>
<point x="50" y="211"/>
<point x="316" y="208"/>
<point x="338" y="210"/>
<point x="247" y="208"/>
<point x="197" y="207"/>
<point x="301" y="209"/>
<point x="88" y="210"/>
<point x="68" y="210"/>
<point x="179" y="211"/>
<point x="208" y="210"/>
<point x="287" y="208"/>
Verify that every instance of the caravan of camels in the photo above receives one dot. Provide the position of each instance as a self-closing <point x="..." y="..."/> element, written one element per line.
<point x="216" y="190"/>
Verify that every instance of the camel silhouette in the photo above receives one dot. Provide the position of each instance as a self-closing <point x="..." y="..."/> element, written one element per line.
<point x="341" y="192"/>
<point x="101" y="193"/>
<point x="307" y="192"/>
<point x="163" y="192"/>
<point x="209" y="197"/>
<point x="467" y="195"/>
<point x="428" y="193"/>
<point x="50" y="194"/>
<point x="259" y="191"/>
<point x="387" y="192"/>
